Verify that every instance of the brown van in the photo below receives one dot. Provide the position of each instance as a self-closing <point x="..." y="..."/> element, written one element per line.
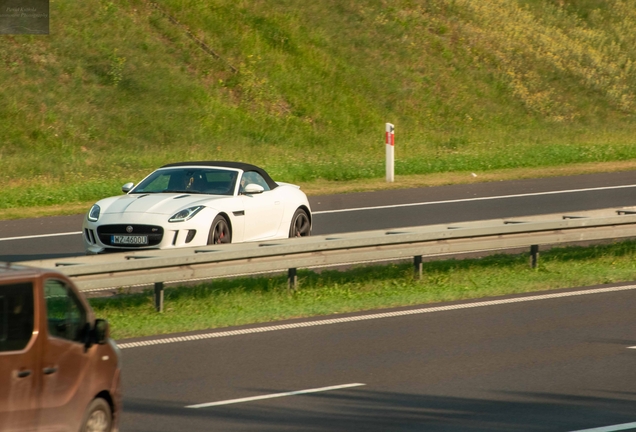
<point x="59" y="369"/>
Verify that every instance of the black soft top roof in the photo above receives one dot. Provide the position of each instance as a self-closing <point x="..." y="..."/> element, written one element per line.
<point x="226" y="164"/>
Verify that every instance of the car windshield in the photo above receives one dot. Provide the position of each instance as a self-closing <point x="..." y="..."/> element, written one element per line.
<point x="215" y="181"/>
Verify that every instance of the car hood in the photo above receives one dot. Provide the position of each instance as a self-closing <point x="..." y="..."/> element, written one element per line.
<point x="159" y="203"/>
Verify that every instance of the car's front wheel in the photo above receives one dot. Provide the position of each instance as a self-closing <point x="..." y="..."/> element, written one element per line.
<point x="220" y="232"/>
<point x="300" y="226"/>
<point x="98" y="417"/>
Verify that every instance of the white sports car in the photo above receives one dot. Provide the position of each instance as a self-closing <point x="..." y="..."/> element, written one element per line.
<point x="194" y="204"/>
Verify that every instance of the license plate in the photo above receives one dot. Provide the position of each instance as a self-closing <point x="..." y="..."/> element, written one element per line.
<point x="129" y="239"/>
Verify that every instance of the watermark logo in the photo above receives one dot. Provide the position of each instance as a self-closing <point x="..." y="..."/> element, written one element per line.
<point x="24" y="16"/>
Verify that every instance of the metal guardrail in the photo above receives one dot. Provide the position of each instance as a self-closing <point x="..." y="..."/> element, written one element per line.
<point x="161" y="266"/>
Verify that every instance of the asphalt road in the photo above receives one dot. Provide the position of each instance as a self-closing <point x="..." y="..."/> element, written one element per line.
<point x="552" y="364"/>
<point x="30" y="239"/>
<point x="559" y="364"/>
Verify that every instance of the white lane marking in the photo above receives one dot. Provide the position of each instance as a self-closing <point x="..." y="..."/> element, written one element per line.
<point x="634" y="347"/>
<point x="474" y="199"/>
<point x="618" y="427"/>
<point x="373" y="316"/>
<point x="275" y="395"/>
<point x="40" y="236"/>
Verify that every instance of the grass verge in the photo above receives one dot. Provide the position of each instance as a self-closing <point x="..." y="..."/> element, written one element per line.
<point x="304" y="90"/>
<point x="242" y="301"/>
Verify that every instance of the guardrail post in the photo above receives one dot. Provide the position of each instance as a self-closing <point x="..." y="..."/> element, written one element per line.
<point x="292" y="280"/>
<point x="159" y="296"/>
<point x="417" y="262"/>
<point x="534" y="256"/>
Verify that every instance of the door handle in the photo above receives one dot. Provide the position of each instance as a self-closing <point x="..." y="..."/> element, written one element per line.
<point x="24" y="373"/>
<point x="49" y="370"/>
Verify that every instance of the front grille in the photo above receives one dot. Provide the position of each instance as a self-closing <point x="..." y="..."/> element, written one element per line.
<point x="154" y="233"/>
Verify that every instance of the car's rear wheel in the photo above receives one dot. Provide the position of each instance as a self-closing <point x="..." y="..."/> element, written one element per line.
<point x="300" y="226"/>
<point x="220" y="232"/>
<point x="98" y="417"/>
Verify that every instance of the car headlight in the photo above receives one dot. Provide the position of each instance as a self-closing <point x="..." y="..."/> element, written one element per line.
<point x="185" y="214"/>
<point x="93" y="213"/>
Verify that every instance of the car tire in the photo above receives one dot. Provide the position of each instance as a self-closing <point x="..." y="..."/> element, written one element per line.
<point x="98" y="417"/>
<point x="220" y="232"/>
<point x="300" y="225"/>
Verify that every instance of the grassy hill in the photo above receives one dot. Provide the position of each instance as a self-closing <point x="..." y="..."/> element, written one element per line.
<point x="304" y="88"/>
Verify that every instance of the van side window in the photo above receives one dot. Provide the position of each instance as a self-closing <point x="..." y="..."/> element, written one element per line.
<point x="65" y="314"/>
<point x="16" y="316"/>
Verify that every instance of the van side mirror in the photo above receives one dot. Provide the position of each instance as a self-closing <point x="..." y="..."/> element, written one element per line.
<point x="101" y="331"/>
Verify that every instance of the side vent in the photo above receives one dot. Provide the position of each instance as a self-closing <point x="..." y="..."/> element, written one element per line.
<point x="89" y="235"/>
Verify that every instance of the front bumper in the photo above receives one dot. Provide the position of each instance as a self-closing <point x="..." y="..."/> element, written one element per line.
<point x="99" y="236"/>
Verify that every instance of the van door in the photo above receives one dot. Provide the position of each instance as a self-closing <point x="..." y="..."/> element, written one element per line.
<point x="18" y="357"/>
<point x="65" y="360"/>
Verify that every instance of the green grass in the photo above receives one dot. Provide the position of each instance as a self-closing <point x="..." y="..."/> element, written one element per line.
<point x="304" y="90"/>
<point x="223" y="303"/>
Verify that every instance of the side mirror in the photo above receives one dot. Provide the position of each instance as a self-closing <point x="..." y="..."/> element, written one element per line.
<point x="101" y="331"/>
<point x="127" y="187"/>
<point x="253" y="189"/>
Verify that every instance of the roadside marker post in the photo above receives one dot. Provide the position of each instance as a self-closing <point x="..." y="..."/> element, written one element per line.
<point x="390" y="146"/>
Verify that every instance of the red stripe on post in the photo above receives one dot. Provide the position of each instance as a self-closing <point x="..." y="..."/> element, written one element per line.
<point x="389" y="139"/>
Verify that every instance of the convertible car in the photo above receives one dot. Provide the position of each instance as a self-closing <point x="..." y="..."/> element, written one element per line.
<point x="194" y="204"/>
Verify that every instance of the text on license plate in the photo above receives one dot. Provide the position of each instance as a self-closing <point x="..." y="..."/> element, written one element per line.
<point x="129" y="239"/>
